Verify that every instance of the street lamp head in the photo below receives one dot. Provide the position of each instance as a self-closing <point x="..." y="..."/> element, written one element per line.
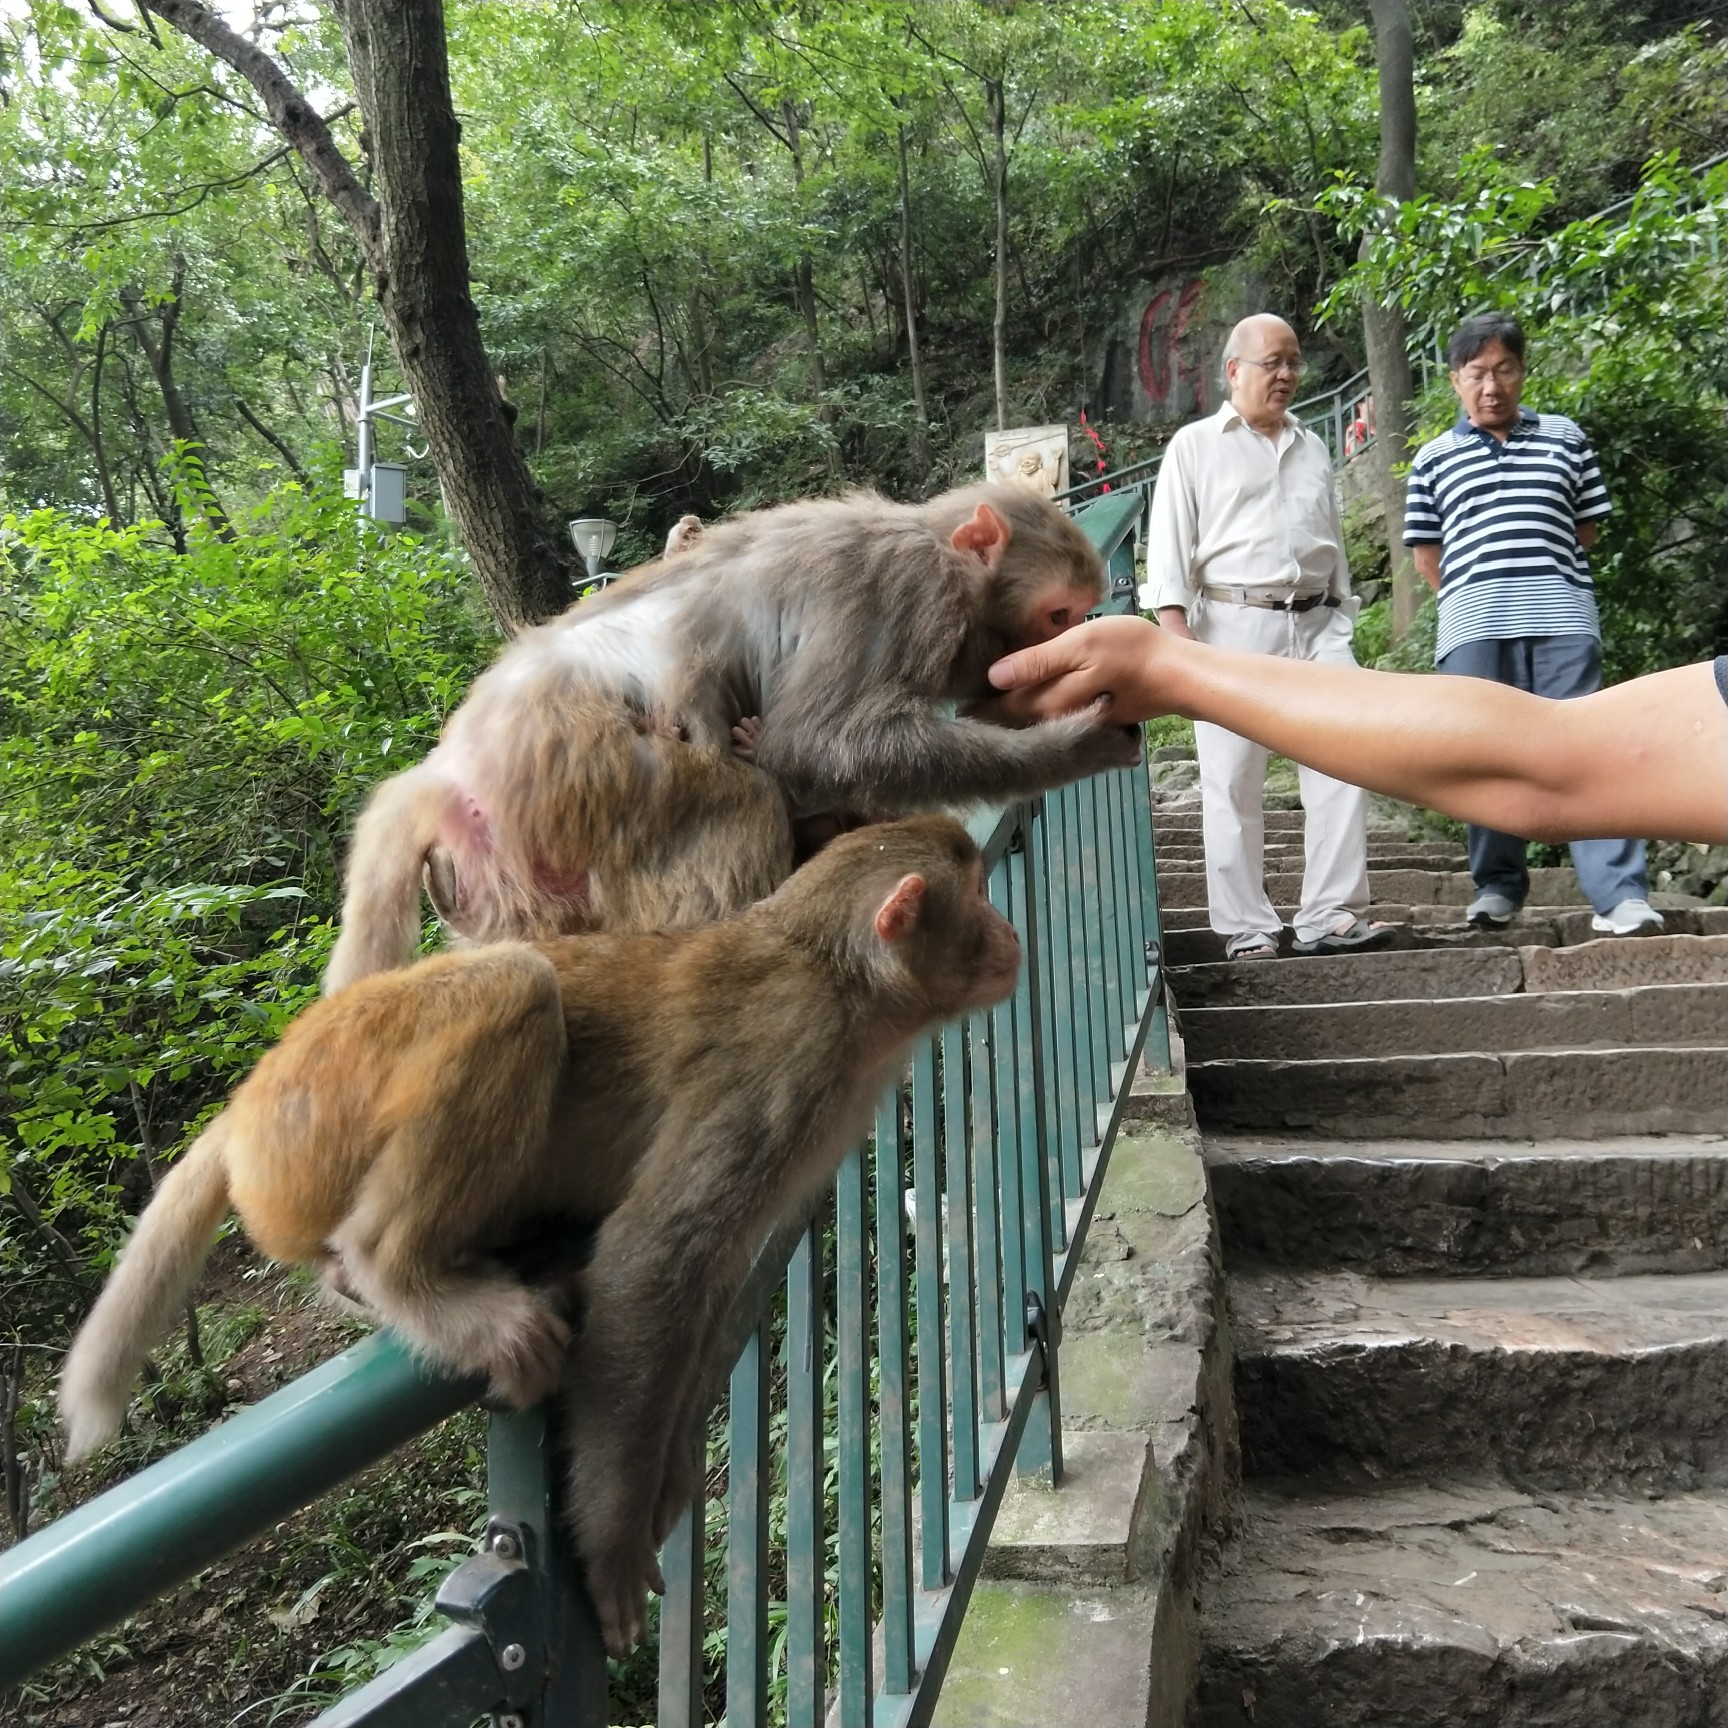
<point x="593" y="537"/>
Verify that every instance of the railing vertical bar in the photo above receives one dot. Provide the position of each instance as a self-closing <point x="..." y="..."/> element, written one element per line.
<point x="1109" y="944"/>
<point x="1127" y="798"/>
<point x="1062" y="1146"/>
<point x="1040" y="1448"/>
<point x="681" y="1621"/>
<point x="806" y="1657"/>
<point x="1133" y="948"/>
<point x="986" y="1195"/>
<point x="1073" y="887"/>
<point x="895" y="1405"/>
<point x="957" y="1060"/>
<point x="523" y="1467"/>
<point x="1094" y="932"/>
<point x="1152" y="921"/>
<point x="1129" y="965"/>
<point x="1010" y="1052"/>
<point x="748" y="1475"/>
<point x="932" y="1374"/>
<point x="852" y="1278"/>
<point x="1085" y="934"/>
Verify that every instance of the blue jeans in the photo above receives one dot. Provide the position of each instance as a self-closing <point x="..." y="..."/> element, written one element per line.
<point x="1609" y="871"/>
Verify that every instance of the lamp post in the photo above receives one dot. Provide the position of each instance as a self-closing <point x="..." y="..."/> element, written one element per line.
<point x="593" y="537"/>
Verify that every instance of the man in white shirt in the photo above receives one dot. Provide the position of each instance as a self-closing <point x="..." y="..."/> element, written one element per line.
<point x="1246" y="550"/>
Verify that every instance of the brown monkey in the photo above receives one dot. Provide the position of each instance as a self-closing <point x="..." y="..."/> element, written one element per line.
<point x="588" y="781"/>
<point x="691" y="1088"/>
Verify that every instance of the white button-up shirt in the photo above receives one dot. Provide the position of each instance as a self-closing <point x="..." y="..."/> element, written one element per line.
<point x="1236" y="509"/>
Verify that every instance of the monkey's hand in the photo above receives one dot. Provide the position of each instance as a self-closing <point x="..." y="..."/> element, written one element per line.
<point x="745" y="737"/>
<point x="1092" y="740"/>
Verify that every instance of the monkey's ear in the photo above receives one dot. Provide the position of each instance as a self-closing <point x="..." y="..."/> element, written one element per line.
<point x="985" y="537"/>
<point x="897" y="916"/>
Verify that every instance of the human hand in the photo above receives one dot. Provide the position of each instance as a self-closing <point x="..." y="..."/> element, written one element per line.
<point x="1114" y="659"/>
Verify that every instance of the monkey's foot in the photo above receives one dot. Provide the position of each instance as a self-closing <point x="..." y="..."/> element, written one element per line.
<point x="530" y="1363"/>
<point x="746" y="735"/>
<point x="618" y="1583"/>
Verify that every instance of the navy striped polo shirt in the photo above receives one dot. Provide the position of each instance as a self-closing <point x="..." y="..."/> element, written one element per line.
<point x="1506" y="517"/>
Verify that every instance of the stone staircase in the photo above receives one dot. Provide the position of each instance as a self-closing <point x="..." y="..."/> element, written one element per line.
<point x="1472" y="1199"/>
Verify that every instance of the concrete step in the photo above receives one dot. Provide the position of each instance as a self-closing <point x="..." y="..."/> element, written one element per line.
<point x="1372" y="977"/>
<point x="1527" y="1094"/>
<point x="1547" y="1020"/>
<point x="1555" y="1382"/>
<point x="1400" y="1208"/>
<point x="1395" y="887"/>
<point x="1468" y="1607"/>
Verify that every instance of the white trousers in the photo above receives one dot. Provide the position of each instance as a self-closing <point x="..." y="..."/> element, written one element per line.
<point x="1233" y="788"/>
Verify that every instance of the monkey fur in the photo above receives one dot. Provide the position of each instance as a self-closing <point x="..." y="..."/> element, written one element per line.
<point x="588" y="781"/>
<point x="689" y="1090"/>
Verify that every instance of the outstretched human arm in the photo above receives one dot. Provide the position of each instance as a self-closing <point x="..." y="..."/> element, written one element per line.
<point x="1646" y="758"/>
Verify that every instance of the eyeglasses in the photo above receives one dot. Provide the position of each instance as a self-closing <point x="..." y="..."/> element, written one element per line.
<point x="1278" y="368"/>
<point x="1507" y="372"/>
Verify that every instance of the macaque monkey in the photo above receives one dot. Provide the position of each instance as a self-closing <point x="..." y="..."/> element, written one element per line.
<point x="682" y="535"/>
<point x="589" y="782"/>
<point x="691" y="1090"/>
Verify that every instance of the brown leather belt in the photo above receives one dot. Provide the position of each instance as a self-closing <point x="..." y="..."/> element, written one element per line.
<point x="1270" y="602"/>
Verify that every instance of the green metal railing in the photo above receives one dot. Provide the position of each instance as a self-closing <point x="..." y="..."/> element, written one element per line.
<point x="924" y="1327"/>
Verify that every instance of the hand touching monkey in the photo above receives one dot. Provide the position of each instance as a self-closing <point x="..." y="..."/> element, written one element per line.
<point x="588" y="781"/>
<point x="690" y="1089"/>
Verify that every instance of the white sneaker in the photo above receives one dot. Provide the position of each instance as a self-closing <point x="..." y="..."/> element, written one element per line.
<point x="1491" y="908"/>
<point x="1629" y="918"/>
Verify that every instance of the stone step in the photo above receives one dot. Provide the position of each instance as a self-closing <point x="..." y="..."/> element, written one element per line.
<point x="1560" y="1382"/>
<point x="1186" y="820"/>
<point x="1558" y="887"/>
<point x="1185" y="853"/>
<point x="1400" y="1208"/>
<point x="1613" y="963"/>
<point x="1372" y="977"/>
<point x="1547" y="1020"/>
<point x="1189" y="941"/>
<point x="1467" y="1607"/>
<point x="1526" y="1094"/>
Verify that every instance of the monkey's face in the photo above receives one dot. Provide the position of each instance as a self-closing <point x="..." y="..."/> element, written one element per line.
<point x="1055" y="607"/>
<point x="962" y="953"/>
<point x="991" y="964"/>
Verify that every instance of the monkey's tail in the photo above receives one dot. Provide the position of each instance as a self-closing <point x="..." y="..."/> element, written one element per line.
<point x="381" y="908"/>
<point x="155" y="1274"/>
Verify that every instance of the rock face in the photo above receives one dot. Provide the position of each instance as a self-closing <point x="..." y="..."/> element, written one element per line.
<point x="1472" y="1198"/>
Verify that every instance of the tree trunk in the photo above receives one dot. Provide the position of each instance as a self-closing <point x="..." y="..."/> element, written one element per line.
<point x="1383" y="328"/>
<point x="413" y="239"/>
<point x="803" y="272"/>
<point x="104" y="474"/>
<point x="996" y="101"/>
<point x="158" y="350"/>
<point x="921" y="440"/>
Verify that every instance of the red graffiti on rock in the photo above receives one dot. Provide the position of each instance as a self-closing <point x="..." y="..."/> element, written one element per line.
<point x="1163" y="365"/>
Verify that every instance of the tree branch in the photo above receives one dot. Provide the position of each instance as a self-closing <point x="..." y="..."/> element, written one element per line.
<point x="290" y="113"/>
<point x="273" y="441"/>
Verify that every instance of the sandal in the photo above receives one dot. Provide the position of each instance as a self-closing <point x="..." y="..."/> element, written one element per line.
<point x="1349" y="938"/>
<point x="1251" y="947"/>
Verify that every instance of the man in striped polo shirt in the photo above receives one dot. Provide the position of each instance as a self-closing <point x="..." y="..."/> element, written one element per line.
<point x="1500" y="513"/>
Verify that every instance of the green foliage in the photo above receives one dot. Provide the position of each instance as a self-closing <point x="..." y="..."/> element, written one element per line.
<point x="1624" y="321"/>
<point x="181" y="739"/>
